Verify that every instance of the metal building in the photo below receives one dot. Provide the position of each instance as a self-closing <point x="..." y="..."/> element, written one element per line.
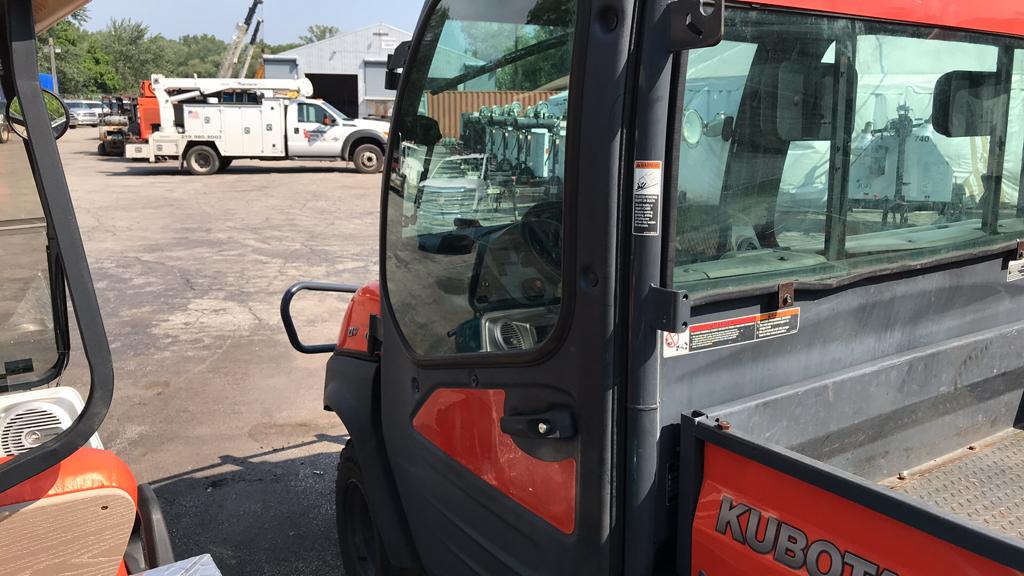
<point x="346" y="70"/>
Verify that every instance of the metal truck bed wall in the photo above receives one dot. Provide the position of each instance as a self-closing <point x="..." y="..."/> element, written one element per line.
<point x="880" y="377"/>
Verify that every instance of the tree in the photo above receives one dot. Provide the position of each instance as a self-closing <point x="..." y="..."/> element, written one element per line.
<point x="318" y="32"/>
<point x="83" y="68"/>
<point x="201" y="55"/>
<point x="134" y="54"/>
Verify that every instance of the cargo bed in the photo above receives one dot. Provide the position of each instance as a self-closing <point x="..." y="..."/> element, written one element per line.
<point x="983" y="483"/>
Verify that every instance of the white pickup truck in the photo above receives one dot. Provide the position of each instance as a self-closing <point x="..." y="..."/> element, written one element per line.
<point x="205" y="124"/>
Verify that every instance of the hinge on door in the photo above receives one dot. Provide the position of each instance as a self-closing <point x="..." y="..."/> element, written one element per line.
<point x="787" y="295"/>
<point x="668" y="310"/>
<point x="374" y="335"/>
<point x="695" y="24"/>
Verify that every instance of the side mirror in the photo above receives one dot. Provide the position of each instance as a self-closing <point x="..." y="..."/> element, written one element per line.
<point x="968" y="103"/>
<point x="56" y="109"/>
<point x="396" y="62"/>
<point x="289" y="322"/>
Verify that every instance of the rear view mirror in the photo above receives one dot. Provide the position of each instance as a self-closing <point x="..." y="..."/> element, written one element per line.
<point x="968" y="103"/>
<point x="60" y="116"/>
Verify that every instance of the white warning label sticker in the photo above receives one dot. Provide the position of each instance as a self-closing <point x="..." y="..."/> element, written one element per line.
<point x="1015" y="271"/>
<point x="647" y="198"/>
<point x="731" y="332"/>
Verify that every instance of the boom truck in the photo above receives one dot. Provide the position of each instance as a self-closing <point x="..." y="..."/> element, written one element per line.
<point x="754" y="307"/>
<point x="207" y="123"/>
<point x="67" y="506"/>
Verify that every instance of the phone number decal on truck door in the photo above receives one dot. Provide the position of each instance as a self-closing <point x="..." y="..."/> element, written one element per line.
<point x="732" y="332"/>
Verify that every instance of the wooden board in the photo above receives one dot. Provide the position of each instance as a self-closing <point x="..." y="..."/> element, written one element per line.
<point x="81" y="534"/>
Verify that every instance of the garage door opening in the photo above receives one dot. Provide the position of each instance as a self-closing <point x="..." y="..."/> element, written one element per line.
<point x="339" y="90"/>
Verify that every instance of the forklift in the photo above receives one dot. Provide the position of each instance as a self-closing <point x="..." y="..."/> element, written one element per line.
<point x="116" y="125"/>
<point x="683" y="347"/>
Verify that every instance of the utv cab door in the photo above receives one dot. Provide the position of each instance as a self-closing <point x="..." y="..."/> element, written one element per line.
<point x="499" y="352"/>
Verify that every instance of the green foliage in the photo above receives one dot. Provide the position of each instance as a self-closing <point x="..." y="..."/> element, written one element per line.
<point x="200" y="54"/>
<point x="116" y="59"/>
<point x="318" y="32"/>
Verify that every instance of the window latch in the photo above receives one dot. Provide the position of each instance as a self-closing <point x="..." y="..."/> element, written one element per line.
<point x="695" y="24"/>
<point x="668" y="310"/>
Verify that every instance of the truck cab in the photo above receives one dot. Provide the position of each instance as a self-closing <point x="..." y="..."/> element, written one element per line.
<point x="318" y="130"/>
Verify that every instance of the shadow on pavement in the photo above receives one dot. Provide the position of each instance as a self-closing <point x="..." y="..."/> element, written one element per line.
<point x="145" y="169"/>
<point x="264" y="514"/>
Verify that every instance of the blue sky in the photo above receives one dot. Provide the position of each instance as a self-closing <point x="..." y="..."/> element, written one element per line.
<point x="284" y="20"/>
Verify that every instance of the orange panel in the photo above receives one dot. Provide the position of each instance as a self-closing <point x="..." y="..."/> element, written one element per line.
<point x="87" y="469"/>
<point x="355" y="330"/>
<point x="816" y="524"/>
<point x="997" y="16"/>
<point x="466" y="425"/>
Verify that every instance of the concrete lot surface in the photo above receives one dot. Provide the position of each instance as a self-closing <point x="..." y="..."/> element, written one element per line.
<point x="212" y="405"/>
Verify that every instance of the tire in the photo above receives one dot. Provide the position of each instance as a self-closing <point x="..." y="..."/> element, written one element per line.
<point x="362" y="552"/>
<point x="202" y="160"/>
<point x="368" y="159"/>
<point x="102" y="149"/>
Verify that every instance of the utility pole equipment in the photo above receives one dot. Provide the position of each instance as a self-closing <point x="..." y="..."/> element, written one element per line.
<point x="244" y="71"/>
<point x="235" y="48"/>
<point x="53" y="67"/>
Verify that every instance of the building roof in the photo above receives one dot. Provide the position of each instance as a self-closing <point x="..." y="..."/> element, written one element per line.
<point x="347" y="52"/>
<point x="996" y="16"/>
<point x="342" y="36"/>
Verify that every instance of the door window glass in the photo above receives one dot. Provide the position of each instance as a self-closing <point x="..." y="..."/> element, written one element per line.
<point x="474" y="240"/>
<point x="759" y="200"/>
<point x="311" y="113"/>
<point x="28" y="348"/>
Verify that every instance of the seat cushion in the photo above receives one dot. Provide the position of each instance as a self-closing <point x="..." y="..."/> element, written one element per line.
<point x="87" y="469"/>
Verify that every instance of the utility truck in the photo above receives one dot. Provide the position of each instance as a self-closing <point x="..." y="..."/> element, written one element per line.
<point x="752" y="305"/>
<point x="207" y="123"/>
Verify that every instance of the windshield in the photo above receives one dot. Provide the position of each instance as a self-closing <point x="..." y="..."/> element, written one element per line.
<point x="28" y="348"/>
<point x="475" y="204"/>
<point x="774" y="186"/>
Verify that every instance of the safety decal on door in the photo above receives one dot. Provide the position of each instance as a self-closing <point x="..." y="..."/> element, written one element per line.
<point x="732" y="332"/>
<point x="647" y="198"/>
<point x="1015" y="271"/>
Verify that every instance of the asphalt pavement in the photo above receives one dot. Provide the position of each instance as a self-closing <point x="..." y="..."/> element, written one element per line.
<point x="212" y="405"/>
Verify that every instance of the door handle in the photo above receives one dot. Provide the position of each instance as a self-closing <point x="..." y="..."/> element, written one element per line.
<point x="556" y="424"/>
<point x="296" y="130"/>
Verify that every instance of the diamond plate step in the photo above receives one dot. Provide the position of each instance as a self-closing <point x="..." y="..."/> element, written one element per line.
<point x="984" y="485"/>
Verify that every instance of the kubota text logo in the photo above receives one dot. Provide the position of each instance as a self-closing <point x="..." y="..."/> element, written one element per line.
<point x="788" y="545"/>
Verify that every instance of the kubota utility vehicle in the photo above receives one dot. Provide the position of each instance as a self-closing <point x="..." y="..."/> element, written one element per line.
<point x="692" y="288"/>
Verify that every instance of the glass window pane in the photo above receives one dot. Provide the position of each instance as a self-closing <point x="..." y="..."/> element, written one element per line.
<point x="28" y="348"/>
<point x="475" y="207"/>
<point x="757" y="198"/>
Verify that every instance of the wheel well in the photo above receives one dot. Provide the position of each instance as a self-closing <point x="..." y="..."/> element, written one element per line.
<point x="364" y="140"/>
<point x="193" y="144"/>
